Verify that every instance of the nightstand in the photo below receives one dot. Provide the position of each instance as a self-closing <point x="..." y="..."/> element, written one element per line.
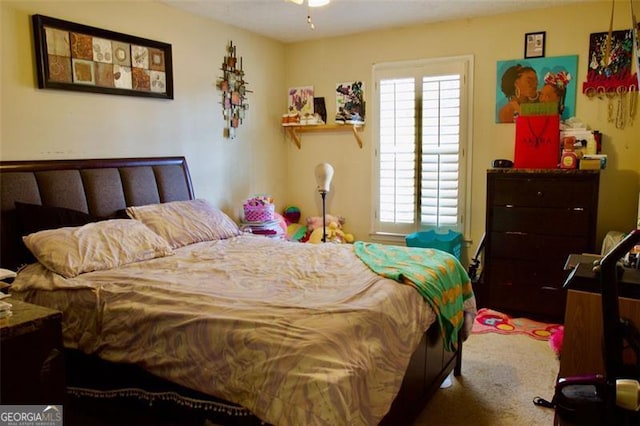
<point x="31" y="356"/>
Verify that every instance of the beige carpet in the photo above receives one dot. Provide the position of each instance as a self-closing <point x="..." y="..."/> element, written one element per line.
<point x="501" y="374"/>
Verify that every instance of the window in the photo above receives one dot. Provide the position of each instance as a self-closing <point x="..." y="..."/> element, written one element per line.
<point x="420" y="161"/>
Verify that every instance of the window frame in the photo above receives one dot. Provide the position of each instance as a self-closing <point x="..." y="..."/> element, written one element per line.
<point x="417" y="69"/>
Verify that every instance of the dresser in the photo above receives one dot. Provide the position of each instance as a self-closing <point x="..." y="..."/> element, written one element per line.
<point x="534" y="220"/>
<point x="32" y="367"/>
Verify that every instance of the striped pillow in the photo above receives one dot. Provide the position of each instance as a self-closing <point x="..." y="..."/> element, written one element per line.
<point x="186" y="222"/>
<point x="71" y="251"/>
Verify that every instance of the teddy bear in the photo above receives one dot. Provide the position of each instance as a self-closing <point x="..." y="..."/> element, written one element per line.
<point x="315" y="222"/>
<point x="334" y="232"/>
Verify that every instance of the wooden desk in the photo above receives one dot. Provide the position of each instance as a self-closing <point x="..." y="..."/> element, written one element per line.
<point x="583" y="330"/>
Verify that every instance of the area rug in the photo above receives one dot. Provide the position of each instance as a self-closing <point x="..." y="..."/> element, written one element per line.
<point x="490" y="321"/>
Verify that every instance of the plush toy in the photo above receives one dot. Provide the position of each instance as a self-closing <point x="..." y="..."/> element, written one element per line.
<point x="335" y="234"/>
<point x="315" y="222"/>
<point x="295" y="231"/>
<point x="291" y="214"/>
<point x="555" y="341"/>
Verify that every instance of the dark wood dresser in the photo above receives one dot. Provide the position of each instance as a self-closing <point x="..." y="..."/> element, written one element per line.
<point x="534" y="220"/>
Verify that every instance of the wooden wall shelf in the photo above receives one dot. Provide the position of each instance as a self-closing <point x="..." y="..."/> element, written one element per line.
<point x="294" y="131"/>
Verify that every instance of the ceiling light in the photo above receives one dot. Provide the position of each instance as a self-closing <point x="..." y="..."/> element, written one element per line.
<point x="312" y="3"/>
<point x="318" y="3"/>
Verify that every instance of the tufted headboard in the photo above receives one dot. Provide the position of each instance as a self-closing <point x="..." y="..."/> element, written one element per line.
<point x="100" y="187"/>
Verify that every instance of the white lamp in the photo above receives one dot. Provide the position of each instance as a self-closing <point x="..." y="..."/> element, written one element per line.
<point x="324" y="174"/>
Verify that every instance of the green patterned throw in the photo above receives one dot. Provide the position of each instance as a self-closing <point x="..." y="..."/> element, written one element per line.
<point x="437" y="275"/>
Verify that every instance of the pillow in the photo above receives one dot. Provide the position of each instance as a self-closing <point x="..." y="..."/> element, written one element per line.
<point x="186" y="222"/>
<point x="96" y="246"/>
<point x="34" y="217"/>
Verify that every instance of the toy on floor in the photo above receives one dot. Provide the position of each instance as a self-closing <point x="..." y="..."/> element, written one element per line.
<point x="335" y="233"/>
<point x="555" y="341"/>
<point x="295" y="231"/>
<point x="311" y="231"/>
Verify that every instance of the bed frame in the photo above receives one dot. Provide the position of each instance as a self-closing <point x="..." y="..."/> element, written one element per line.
<point x="103" y="188"/>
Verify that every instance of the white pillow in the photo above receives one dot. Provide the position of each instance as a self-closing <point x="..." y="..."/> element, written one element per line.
<point x="186" y="222"/>
<point x="71" y="251"/>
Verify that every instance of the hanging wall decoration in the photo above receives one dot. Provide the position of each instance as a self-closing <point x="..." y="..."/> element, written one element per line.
<point x="609" y="75"/>
<point x="533" y="82"/>
<point x="234" y="91"/>
<point x="72" y="56"/>
<point x="610" y="68"/>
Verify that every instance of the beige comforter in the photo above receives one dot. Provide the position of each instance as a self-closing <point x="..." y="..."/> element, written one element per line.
<point x="299" y="334"/>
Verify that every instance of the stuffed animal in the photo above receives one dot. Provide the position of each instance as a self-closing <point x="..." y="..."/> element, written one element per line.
<point x="315" y="222"/>
<point x="335" y="234"/>
<point x="295" y="231"/>
<point x="555" y="341"/>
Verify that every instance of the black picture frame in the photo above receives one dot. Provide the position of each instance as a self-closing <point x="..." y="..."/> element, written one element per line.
<point x="77" y="57"/>
<point x="534" y="44"/>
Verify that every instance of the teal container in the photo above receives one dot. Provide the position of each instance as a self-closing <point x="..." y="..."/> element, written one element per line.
<point x="451" y="242"/>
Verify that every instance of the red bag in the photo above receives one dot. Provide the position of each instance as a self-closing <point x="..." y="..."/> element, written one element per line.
<point x="537" y="142"/>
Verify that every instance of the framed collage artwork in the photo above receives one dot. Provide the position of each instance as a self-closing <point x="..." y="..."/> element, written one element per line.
<point x="71" y="56"/>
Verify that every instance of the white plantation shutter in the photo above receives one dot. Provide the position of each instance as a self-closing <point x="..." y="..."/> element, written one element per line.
<point x="397" y="150"/>
<point x="440" y="151"/>
<point x="420" y="161"/>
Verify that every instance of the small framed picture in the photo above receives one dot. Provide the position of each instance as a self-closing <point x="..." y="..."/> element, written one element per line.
<point x="534" y="45"/>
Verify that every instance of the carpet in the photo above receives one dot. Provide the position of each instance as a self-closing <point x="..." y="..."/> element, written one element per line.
<point x="490" y="321"/>
<point x="500" y="377"/>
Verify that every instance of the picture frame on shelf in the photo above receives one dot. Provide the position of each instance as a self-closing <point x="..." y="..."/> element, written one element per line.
<point x="77" y="57"/>
<point x="534" y="44"/>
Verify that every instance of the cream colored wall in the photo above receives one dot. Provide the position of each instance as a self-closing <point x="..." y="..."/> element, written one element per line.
<point x="52" y="124"/>
<point x="327" y="62"/>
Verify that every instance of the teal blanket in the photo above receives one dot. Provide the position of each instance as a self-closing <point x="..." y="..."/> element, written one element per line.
<point x="438" y="276"/>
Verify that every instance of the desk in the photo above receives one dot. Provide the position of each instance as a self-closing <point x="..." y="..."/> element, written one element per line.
<point x="582" y="344"/>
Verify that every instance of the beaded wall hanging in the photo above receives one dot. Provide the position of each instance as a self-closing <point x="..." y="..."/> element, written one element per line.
<point x="610" y="76"/>
<point x="234" y="91"/>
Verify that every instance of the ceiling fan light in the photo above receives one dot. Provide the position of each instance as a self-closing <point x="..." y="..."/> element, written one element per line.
<point x="318" y="3"/>
<point x="297" y="1"/>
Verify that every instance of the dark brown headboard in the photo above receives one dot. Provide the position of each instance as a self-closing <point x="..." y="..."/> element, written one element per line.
<point x="100" y="187"/>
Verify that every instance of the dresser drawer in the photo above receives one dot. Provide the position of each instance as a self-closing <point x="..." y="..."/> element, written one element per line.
<point x="543" y="192"/>
<point x="535" y="247"/>
<point x="522" y="273"/>
<point x="550" y="221"/>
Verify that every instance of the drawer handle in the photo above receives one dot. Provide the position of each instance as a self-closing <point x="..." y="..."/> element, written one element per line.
<point x="539" y="194"/>
<point x="547" y="288"/>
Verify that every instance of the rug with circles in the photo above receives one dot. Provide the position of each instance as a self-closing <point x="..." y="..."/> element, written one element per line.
<point x="490" y="321"/>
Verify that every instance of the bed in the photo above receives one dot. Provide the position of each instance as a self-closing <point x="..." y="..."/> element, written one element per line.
<point x="162" y="286"/>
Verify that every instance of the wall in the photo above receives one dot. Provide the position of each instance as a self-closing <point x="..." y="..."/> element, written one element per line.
<point x="38" y="124"/>
<point x="53" y="124"/>
<point x="489" y="39"/>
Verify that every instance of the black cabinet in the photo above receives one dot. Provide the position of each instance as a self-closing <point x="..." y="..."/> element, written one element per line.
<point x="534" y="220"/>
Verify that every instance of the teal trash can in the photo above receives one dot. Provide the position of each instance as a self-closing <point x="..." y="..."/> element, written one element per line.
<point x="451" y="242"/>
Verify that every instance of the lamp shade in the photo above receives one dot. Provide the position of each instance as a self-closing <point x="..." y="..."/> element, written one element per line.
<point x="324" y="174"/>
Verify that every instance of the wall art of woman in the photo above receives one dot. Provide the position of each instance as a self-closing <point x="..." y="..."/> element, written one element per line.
<point x="519" y="85"/>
